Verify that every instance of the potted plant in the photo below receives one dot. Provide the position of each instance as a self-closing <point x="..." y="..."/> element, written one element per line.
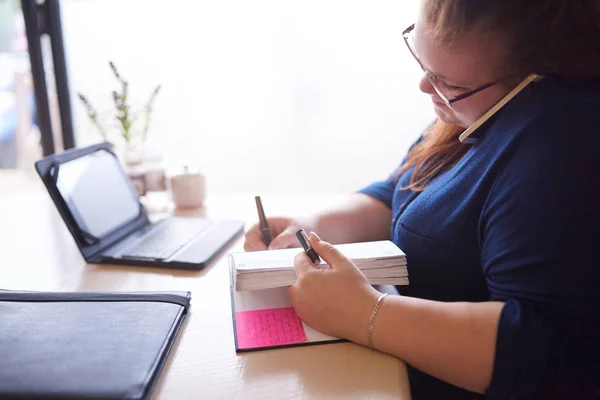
<point x="131" y="125"/>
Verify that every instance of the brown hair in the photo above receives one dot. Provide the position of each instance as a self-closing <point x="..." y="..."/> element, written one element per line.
<point x="549" y="37"/>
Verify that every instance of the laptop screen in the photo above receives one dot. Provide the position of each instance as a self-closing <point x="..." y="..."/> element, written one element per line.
<point x="98" y="193"/>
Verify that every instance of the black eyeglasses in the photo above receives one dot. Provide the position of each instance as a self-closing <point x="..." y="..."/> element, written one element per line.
<point x="435" y="81"/>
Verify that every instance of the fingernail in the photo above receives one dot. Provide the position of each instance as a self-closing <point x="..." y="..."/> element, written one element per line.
<point x="314" y="236"/>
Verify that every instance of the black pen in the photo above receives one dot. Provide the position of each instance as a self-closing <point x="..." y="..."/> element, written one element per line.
<point x="305" y="242"/>
<point x="262" y="220"/>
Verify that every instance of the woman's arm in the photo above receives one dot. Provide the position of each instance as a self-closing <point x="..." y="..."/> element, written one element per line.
<point x="360" y="219"/>
<point x="455" y="342"/>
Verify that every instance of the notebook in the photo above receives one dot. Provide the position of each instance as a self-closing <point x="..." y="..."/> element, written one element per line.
<point x="382" y="262"/>
<point x="263" y="318"/>
<point x="86" y="345"/>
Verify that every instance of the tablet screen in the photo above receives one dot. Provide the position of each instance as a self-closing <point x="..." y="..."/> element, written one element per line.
<point x="98" y="193"/>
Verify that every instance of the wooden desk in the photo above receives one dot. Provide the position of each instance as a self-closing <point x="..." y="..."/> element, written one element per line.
<point x="37" y="253"/>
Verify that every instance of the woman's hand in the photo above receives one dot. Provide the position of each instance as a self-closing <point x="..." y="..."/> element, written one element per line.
<point x="337" y="299"/>
<point x="283" y="232"/>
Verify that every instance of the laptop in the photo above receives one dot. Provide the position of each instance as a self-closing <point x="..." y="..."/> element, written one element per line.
<point x="101" y="209"/>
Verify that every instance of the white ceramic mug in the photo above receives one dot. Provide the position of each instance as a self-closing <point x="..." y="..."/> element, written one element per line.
<point x="188" y="189"/>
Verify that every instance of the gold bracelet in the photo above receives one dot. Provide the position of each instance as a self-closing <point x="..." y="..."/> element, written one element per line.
<point x="372" y="319"/>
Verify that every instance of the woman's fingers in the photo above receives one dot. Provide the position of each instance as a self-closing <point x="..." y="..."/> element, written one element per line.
<point x="282" y="230"/>
<point x="327" y="252"/>
<point x="285" y="239"/>
<point x="302" y="264"/>
<point x="254" y="240"/>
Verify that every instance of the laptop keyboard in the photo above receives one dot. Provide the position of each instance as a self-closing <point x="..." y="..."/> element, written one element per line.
<point x="169" y="237"/>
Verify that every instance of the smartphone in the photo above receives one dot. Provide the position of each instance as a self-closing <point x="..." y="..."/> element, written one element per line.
<point x="466" y="137"/>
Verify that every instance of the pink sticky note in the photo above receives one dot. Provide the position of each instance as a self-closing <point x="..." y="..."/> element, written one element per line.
<point x="268" y="328"/>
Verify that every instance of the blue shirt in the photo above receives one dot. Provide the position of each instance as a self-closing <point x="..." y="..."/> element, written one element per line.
<point x="517" y="220"/>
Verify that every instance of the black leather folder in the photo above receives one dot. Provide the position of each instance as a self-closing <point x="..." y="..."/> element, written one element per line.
<point x="86" y="345"/>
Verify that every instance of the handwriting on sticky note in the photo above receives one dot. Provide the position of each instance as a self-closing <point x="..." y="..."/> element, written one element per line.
<point x="268" y="328"/>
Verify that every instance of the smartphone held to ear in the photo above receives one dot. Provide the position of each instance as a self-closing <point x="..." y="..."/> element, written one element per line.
<point x="466" y="136"/>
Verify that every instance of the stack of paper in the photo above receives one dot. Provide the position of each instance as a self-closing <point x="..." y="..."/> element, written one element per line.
<point x="382" y="262"/>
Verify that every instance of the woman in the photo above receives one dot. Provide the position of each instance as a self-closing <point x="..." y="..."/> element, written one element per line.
<point x="500" y="235"/>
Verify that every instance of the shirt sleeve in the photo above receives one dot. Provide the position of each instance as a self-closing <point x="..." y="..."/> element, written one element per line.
<point x="381" y="190"/>
<point x="539" y="235"/>
<point x="384" y="190"/>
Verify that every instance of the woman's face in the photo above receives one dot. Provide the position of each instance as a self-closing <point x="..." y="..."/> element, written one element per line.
<point x="471" y="62"/>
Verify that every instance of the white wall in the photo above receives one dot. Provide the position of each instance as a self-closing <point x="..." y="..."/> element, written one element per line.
<point x="267" y="96"/>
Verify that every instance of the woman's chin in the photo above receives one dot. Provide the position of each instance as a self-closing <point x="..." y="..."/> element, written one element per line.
<point x="443" y="114"/>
